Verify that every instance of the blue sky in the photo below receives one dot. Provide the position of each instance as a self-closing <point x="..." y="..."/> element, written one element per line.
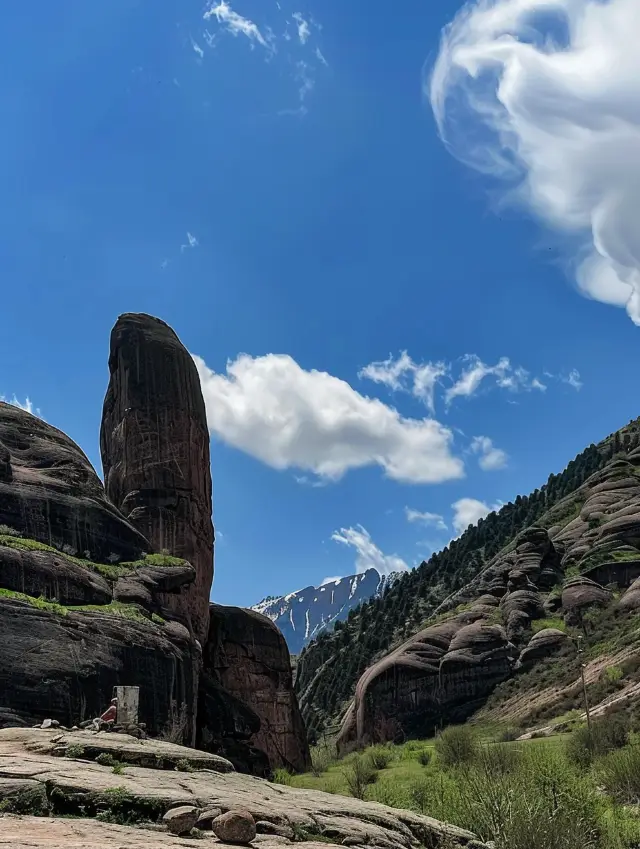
<point x="270" y="180"/>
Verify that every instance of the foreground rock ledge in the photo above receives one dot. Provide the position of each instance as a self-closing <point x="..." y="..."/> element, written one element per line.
<point x="70" y="784"/>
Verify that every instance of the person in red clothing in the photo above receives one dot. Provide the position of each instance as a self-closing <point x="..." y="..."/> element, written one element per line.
<point x="111" y="712"/>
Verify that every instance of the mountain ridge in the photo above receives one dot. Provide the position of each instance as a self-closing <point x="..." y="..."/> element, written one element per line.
<point x="303" y="614"/>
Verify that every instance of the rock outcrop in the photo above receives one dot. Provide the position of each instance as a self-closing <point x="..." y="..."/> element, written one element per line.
<point x="155" y="452"/>
<point x="49" y="492"/>
<point x="103" y="589"/>
<point x="247" y="658"/>
<point x="73" y="786"/>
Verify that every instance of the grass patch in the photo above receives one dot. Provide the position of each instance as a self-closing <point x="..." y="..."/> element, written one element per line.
<point x="116" y="608"/>
<point x="110" y="571"/>
<point x="550" y="622"/>
<point x="41" y="603"/>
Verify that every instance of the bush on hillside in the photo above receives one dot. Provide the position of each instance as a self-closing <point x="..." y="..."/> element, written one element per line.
<point x="619" y="773"/>
<point x="359" y="773"/>
<point x="456" y="745"/>
<point x="322" y="756"/>
<point x="605" y="735"/>
<point x="424" y="757"/>
<point x="380" y="756"/>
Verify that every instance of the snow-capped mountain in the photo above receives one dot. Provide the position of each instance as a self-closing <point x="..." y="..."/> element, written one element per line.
<point x="301" y="615"/>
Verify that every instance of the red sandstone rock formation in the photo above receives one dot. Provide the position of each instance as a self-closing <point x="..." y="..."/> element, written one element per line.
<point x="248" y="656"/>
<point x="155" y="452"/>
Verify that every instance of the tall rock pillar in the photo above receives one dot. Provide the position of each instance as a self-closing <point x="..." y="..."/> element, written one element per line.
<point x="155" y="452"/>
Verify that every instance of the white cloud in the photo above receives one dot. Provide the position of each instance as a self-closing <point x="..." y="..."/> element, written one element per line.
<point x="475" y="372"/>
<point x="468" y="511"/>
<point x="433" y="520"/>
<point x="553" y="91"/>
<point x="573" y="379"/>
<point x="320" y="57"/>
<point x="368" y="555"/>
<point x="235" y="23"/>
<point x="25" y="405"/>
<point x="490" y="457"/>
<point x="403" y="374"/>
<point x="197" y="49"/>
<point x="192" y="242"/>
<point x="304" y="30"/>
<point x="334" y="580"/>
<point x="287" y="417"/>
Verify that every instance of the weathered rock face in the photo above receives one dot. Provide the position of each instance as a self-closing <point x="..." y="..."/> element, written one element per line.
<point x="64" y="665"/>
<point x="246" y="659"/>
<point x="155" y="452"/>
<point x="49" y="492"/>
<point x="441" y="674"/>
<point x="543" y="644"/>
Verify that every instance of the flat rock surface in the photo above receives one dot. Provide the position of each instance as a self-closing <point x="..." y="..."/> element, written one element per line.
<point x="122" y="747"/>
<point x="317" y="813"/>
<point x="52" y="833"/>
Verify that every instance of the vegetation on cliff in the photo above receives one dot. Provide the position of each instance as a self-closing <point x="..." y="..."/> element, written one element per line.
<point x="329" y="668"/>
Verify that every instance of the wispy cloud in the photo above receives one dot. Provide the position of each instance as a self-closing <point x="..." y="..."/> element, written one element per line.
<point x="192" y="242"/>
<point x="489" y="457"/>
<point x="368" y="555"/>
<point x="304" y="31"/>
<point x="197" y="49"/>
<point x="544" y="95"/>
<point x="465" y="377"/>
<point x="573" y="379"/>
<point x="25" y="405"/>
<point x="236" y="24"/>
<point x="433" y="520"/>
<point x="298" y="56"/>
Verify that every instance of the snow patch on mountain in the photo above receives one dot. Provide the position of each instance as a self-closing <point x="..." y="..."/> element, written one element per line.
<point x="303" y="614"/>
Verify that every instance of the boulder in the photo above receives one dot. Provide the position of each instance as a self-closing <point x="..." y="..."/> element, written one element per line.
<point x="235" y="827"/>
<point x="265" y="827"/>
<point x="50" y="493"/>
<point x="206" y="817"/>
<point x="631" y="598"/>
<point x="543" y="644"/>
<point x="181" y="820"/>
<point x="580" y="593"/>
<point x="154" y="443"/>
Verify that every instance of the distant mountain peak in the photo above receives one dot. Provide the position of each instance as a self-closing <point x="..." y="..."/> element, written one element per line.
<point x="303" y="614"/>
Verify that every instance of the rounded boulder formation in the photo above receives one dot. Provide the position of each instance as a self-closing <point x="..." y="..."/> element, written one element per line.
<point x="543" y="644"/>
<point x="237" y="827"/>
<point x="580" y="593"/>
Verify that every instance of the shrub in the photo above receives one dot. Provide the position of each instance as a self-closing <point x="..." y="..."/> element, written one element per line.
<point x="74" y="751"/>
<point x="380" y="756"/>
<point x="106" y="759"/>
<point x="424" y="757"/>
<point x="322" y="756"/>
<point x="456" y="745"/>
<point x="508" y="734"/>
<point x="619" y="773"/>
<point x="605" y="735"/>
<point x="175" y="728"/>
<point x="282" y="776"/>
<point x="359" y="773"/>
<point x="542" y="804"/>
<point x="6" y="531"/>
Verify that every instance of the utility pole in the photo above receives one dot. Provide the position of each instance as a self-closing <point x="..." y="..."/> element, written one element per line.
<point x="584" y="685"/>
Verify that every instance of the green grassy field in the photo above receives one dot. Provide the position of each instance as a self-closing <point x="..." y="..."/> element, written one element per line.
<point x="543" y="793"/>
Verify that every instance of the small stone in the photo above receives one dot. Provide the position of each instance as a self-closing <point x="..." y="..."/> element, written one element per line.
<point x="235" y="827"/>
<point x="264" y="827"/>
<point x="47" y="723"/>
<point x="207" y="817"/>
<point x="75" y="728"/>
<point x="181" y="820"/>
